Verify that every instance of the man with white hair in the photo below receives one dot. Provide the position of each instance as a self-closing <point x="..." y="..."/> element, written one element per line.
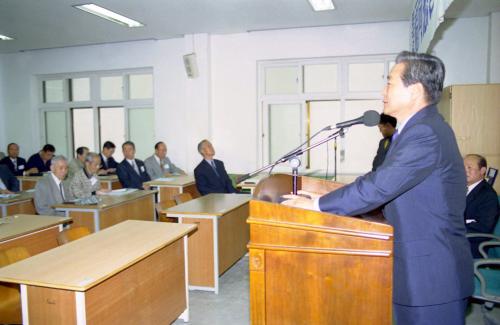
<point x="50" y="190"/>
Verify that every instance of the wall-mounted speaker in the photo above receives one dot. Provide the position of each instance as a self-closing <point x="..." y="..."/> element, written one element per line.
<point x="190" y="65"/>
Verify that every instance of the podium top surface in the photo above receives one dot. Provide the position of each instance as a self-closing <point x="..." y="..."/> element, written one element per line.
<point x="214" y="204"/>
<point x="22" y="224"/>
<point x="88" y="261"/>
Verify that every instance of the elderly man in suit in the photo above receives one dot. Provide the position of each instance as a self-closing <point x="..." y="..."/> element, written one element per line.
<point x="210" y="174"/>
<point x="422" y="185"/>
<point x="159" y="165"/>
<point x="16" y="164"/>
<point x="85" y="182"/>
<point x="51" y="190"/>
<point x="108" y="163"/>
<point x="132" y="172"/>
<point x="481" y="210"/>
<point x="8" y="181"/>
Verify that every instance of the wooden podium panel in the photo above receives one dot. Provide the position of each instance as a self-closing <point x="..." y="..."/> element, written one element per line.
<point x="309" y="267"/>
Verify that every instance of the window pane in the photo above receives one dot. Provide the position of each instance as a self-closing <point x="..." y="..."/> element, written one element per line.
<point x="360" y="142"/>
<point x="112" y="88"/>
<point x="142" y="131"/>
<point x="323" y="113"/>
<point x="53" y="91"/>
<point x="141" y="86"/>
<point x="320" y="78"/>
<point x="112" y="128"/>
<point x="366" y="77"/>
<point x="80" y="89"/>
<point x="282" y="80"/>
<point x="83" y="128"/>
<point x="285" y="124"/>
<point x="56" y="131"/>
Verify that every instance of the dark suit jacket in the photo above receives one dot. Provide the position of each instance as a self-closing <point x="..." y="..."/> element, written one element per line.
<point x="128" y="177"/>
<point x="482" y="206"/>
<point x="423" y="184"/>
<point x="207" y="180"/>
<point x="381" y="153"/>
<point x="36" y="161"/>
<point x="9" y="179"/>
<point x="21" y="165"/>
<point x="111" y="163"/>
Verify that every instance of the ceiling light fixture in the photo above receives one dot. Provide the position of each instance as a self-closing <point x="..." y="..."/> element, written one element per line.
<point x="5" y="38"/>
<point x="109" y="15"/>
<point x="320" y="5"/>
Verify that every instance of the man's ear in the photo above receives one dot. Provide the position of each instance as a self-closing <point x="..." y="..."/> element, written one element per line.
<point x="418" y="91"/>
<point x="483" y="171"/>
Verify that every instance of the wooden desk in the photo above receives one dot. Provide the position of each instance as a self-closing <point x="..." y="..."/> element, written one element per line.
<point x="28" y="182"/>
<point x="109" y="182"/>
<point x="21" y="203"/>
<point x="221" y="238"/>
<point x="131" y="273"/>
<point x="36" y="233"/>
<point x="175" y="185"/>
<point x="138" y="205"/>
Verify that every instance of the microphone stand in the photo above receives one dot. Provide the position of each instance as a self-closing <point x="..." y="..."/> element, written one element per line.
<point x="293" y="155"/>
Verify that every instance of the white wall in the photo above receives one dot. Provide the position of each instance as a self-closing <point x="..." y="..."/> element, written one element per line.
<point x="463" y="46"/>
<point x="3" y="134"/>
<point x="222" y="103"/>
<point x="495" y="47"/>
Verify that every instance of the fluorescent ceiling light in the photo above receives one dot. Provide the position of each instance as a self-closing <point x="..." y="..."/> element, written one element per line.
<point x="5" y="38"/>
<point x="320" y="5"/>
<point x="109" y="15"/>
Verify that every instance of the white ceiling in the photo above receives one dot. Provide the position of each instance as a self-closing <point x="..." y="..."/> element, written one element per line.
<point x="39" y="24"/>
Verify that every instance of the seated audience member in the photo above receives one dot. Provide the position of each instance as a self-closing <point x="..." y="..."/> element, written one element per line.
<point x="50" y="190"/>
<point x="132" y="172"/>
<point x="85" y="182"/>
<point x="210" y="174"/>
<point x="159" y="165"/>
<point x="481" y="210"/>
<point x="387" y="127"/>
<point x="108" y="163"/>
<point x="77" y="163"/>
<point x="8" y="181"/>
<point x="41" y="160"/>
<point x="16" y="164"/>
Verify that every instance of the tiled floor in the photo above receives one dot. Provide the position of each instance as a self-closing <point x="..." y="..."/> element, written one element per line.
<point x="231" y="305"/>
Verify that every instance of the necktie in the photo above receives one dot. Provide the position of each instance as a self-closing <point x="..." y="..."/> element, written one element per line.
<point x="135" y="167"/>
<point x="162" y="166"/>
<point x="15" y="164"/>
<point x="212" y="163"/>
<point x="386" y="143"/>
<point x="61" y="189"/>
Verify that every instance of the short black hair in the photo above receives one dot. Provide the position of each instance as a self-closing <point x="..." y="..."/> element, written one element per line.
<point x="425" y="69"/>
<point x="11" y="144"/>
<point x="128" y="143"/>
<point x="81" y="150"/>
<point x="48" y="148"/>
<point x="108" y="145"/>
<point x="158" y="144"/>
<point x="481" y="161"/>
<point x="387" y="119"/>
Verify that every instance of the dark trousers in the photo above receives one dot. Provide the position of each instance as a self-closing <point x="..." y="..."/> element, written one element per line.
<point x="452" y="313"/>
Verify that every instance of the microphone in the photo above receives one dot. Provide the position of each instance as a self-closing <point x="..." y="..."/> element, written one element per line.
<point x="369" y="118"/>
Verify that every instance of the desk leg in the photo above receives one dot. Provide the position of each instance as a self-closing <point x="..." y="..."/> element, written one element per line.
<point x="4" y="211"/>
<point x="24" y="304"/>
<point x="185" y="314"/>
<point x="97" y="225"/>
<point x="215" y="223"/>
<point x="80" y="308"/>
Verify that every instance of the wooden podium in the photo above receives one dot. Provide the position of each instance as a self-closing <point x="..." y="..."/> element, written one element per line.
<point x="309" y="267"/>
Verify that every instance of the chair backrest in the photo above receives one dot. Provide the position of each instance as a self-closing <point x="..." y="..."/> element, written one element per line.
<point x="183" y="197"/>
<point x="71" y="234"/>
<point x="10" y="297"/>
<point x="163" y="205"/>
<point x="491" y="175"/>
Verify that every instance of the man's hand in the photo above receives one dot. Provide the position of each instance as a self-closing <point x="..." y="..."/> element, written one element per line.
<point x="102" y="172"/>
<point x="6" y="192"/>
<point x="33" y="170"/>
<point x="146" y="187"/>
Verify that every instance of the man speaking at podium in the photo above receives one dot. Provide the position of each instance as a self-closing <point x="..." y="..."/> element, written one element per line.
<point x="423" y="186"/>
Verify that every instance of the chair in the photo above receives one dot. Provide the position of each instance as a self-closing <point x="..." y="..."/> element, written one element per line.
<point x="491" y="175"/>
<point x="10" y="296"/>
<point x="160" y="209"/>
<point x="183" y="197"/>
<point x="71" y="234"/>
